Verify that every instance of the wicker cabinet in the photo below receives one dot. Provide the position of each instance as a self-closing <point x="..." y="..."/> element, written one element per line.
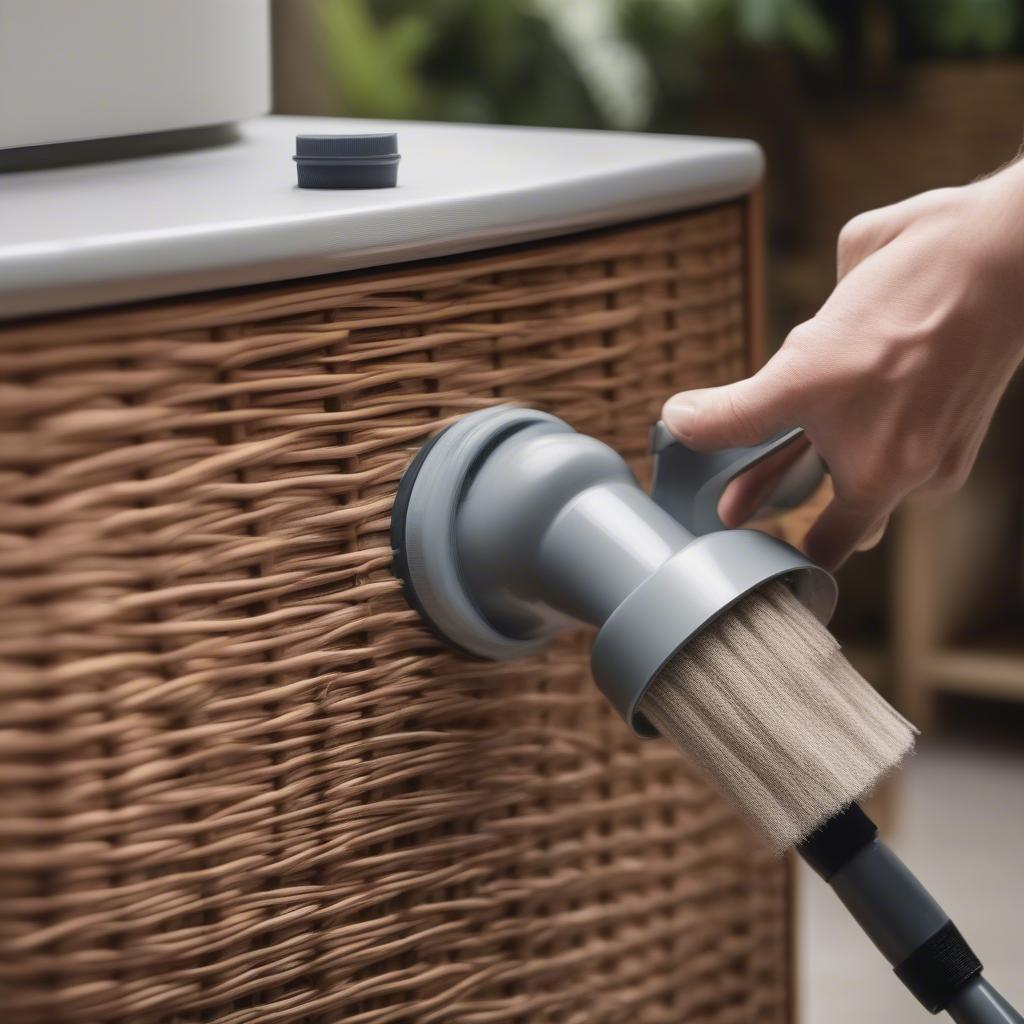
<point x="240" y="783"/>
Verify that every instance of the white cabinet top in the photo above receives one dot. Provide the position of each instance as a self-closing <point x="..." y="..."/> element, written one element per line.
<point x="231" y="214"/>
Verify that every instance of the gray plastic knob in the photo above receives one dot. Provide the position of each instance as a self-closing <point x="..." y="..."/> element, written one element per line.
<point x="347" y="161"/>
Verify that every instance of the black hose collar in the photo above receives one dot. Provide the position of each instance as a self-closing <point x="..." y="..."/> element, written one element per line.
<point x="834" y="844"/>
<point x="939" y="968"/>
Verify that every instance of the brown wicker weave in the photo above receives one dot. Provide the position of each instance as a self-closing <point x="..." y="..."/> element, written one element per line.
<point x="239" y="781"/>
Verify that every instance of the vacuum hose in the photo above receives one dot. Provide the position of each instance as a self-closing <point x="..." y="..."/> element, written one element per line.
<point x="926" y="950"/>
<point x="979" y="1003"/>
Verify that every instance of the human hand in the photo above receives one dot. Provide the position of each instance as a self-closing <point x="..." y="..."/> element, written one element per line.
<point x="896" y="378"/>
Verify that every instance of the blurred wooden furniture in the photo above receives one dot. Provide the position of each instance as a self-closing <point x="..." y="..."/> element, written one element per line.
<point x="957" y="582"/>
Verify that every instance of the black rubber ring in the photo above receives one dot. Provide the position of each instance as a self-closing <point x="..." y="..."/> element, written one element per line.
<point x="399" y="561"/>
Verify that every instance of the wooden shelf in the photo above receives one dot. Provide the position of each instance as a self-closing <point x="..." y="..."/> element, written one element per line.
<point x="958" y="581"/>
<point x="992" y="667"/>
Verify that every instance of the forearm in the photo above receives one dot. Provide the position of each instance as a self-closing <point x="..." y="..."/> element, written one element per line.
<point x="993" y="226"/>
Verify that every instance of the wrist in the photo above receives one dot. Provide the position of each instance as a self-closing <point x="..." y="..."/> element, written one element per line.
<point x="998" y="197"/>
<point x="992" y="211"/>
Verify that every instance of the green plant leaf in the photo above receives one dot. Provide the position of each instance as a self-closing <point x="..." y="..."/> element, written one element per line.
<point x="375" y="65"/>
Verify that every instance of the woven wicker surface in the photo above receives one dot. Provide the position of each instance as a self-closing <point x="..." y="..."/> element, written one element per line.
<point x="239" y="782"/>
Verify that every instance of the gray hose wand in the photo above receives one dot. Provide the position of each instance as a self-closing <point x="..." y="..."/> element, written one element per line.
<point x="510" y="527"/>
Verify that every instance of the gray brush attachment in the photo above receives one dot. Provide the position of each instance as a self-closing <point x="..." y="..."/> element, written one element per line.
<point x="510" y="527"/>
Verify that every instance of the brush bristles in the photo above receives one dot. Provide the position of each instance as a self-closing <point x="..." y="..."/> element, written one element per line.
<point x="764" y="702"/>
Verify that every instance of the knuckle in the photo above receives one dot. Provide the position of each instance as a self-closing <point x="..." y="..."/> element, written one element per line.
<point x="799" y="342"/>
<point x="798" y="336"/>
<point x="952" y="474"/>
<point x="739" y="411"/>
<point x="854" y="233"/>
<point x="952" y="482"/>
<point x="961" y="472"/>
<point x="849" y="235"/>
<point x="941" y="198"/>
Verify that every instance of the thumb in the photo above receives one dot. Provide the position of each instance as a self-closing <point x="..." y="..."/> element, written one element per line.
<point x="735" y="415"/>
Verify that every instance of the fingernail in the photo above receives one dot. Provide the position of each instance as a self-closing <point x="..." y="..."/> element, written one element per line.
<point x="680" y="416"/>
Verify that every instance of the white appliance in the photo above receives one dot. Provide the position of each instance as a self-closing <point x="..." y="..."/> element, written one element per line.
<point x="72" y="70"/>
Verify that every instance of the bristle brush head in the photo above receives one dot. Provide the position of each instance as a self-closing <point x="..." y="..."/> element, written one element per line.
<point x="766" y="705"/>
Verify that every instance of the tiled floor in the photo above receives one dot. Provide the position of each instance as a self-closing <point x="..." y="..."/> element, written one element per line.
<point x="960" y="827"/>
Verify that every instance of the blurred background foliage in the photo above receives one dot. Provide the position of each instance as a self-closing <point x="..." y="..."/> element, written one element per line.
<point x="617" y="63"/>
